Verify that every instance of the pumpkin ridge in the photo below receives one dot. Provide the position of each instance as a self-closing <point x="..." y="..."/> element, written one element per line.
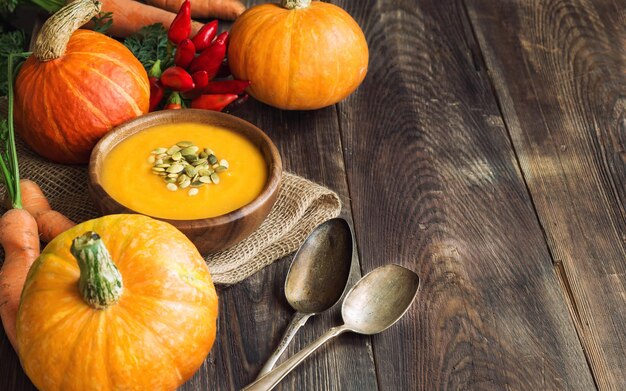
<point x="52" y="120"/>
<point x="120" y="91"/>
<point x="75" y="138"/>
<point x="72" y="351"/>
<point x="87" y="102"/>
<point x="128" y="317"/>
<point x="122" y="64"/>
<point x="252" y="34"/>
<point x="35" y="342"/>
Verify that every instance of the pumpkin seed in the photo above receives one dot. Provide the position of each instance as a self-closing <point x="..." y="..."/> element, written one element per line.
<point x="184" y="184"/>
<point x="205" y="179"/>
<point x="190" y="171"/>
<point x="208" y="151"/>
<point x="158" y="169"/>
<point x="175" y="168"/>
<point x="158" y="161"/>
<point x="219" y="169"/>
<point x="215" y="178"/>
<point x="193" y="192"/>
<point x="224" y="163"/>
<point x="177" y="156"/>
<point x="151" y="159"/>
<point x="199" y="162"/>
<point x="172" y="187"/>
<point x="212" y="159"/>
<point x="173" y="149"/>
<point x="191" y="158"/>
<point x="196" y="184"/>
<point x="203" y="155"/>
<point x="172" y="175"/>
<point x="164" y="165"/>
<point x="182" y="177"/>
<point x="205" y="172"/>
<point x="159" y="151"/>
<point x="184" y="144"/>
<point x="170" y="180"/>
<point x="189" y="150"/>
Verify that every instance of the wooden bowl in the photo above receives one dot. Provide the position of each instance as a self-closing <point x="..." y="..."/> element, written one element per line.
<point x="209" y="234"/>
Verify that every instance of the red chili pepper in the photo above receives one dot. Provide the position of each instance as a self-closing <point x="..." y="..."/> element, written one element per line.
<point x="200" y="79"/>
<point x="226" y="87"/>
<point x="211" y="58"/>
<point x="156" y="90"/>
<point x="213" y="102"/>
<point x="185" y="53"/>
<point x="174" y="102"/>
<point x="205" y="36"/>
<point x="177" y="79"/>
<point x="181" y="25"/>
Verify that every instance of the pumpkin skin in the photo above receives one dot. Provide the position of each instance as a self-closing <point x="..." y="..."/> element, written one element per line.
<point x="64" y="106"/>
<point x="300" y="59"/>
<point x="154" y="338"/>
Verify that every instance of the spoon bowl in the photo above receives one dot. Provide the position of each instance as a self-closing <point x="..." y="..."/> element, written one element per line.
<point x="316" y="278"/>
<point x="379" y="299"/>
<point x="319" y="272"/>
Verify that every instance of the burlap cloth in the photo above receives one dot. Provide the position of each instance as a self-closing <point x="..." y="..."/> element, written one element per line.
<point x="300" y="207"/>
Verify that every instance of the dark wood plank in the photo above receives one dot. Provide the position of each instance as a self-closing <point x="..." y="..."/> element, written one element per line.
<point x="559" y="69"/>
<point x="255" y="313"/>
<point x="435" y="186"/>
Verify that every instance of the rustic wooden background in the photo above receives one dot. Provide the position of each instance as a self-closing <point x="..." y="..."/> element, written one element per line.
<point x="485" y="151"/>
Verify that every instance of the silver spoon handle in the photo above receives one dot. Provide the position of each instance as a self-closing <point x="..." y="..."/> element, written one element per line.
<point x="298" y="320"/>
<point x="272" y="378"/>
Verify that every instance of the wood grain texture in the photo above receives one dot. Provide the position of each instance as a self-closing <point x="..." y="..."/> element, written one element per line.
<point x="255" y="313"/>
<point x="435" y="186"/>
<point x="559" y="70"/>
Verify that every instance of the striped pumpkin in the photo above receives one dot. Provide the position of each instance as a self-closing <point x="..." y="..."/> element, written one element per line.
<point x="67" y="98"/>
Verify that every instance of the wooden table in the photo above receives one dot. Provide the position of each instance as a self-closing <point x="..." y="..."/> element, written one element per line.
<point x="486" y="151"/>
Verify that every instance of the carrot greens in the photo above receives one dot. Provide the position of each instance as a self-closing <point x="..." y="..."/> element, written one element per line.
<point x="8" y="153"/>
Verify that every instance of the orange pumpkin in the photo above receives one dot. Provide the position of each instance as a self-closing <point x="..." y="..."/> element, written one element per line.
<point x="76" y="86"/>
<point x="300" y="55"/>
<point x="121" y="302"/>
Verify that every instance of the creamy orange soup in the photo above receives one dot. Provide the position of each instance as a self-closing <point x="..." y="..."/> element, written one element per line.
<point x="127" y="174"/>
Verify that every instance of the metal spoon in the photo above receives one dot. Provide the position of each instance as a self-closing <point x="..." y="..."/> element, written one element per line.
<point x="316" y="278"/>
<point x="377" y="301"/>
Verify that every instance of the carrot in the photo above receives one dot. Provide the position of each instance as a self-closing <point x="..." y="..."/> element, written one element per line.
<point x="51" y="224"/>
<point x="33" y="199"/>
<point x="221" y="9"/>
<point x="20" y="241"/>
<point x="129" y="16"/>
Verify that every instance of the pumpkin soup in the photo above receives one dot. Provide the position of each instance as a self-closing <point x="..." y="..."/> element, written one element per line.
<point x="221" y="172"/>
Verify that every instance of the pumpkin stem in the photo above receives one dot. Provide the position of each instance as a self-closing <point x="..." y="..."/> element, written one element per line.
<point x="100" y="282"/>
<point x="295" y="4"/>
<point x="56" y="32"/>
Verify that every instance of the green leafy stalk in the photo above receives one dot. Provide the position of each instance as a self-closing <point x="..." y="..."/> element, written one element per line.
<point x="149" y="45"/>
<point x="102" y="22"/>
<point x="10" y="42"/>
<point x="8" y="159"/>
<point x="8" y="6"/>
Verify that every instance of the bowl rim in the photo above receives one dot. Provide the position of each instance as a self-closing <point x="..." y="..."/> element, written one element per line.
<point x="268" y="192"/>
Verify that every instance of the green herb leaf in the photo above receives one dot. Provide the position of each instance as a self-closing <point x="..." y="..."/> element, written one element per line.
<point x="102" y="21"/>
<point x="11" y="42"/>
<point x="149" y="45"/>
